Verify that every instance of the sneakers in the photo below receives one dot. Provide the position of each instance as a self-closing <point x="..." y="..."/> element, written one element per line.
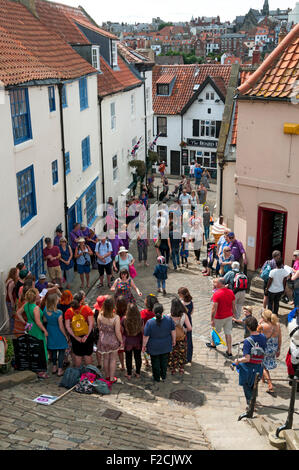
<point x="210" y="345"/>
<point x="228" y="355"/>
<point x="164" y="292"/>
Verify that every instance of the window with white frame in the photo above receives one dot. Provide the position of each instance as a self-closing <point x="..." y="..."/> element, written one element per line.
<point x="114" y="54"/>
<point x="208" y="128"/>
<point x="114" y="167"/>
<point x="113" y="116"/>
<point x="96" y="57"/>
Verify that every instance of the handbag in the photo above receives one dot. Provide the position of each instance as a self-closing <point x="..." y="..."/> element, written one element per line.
<point x="132" y="271"/>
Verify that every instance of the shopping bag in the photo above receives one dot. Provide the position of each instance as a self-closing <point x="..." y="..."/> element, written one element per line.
<point x="217" y="338"/>
<point x="132" y="271"/>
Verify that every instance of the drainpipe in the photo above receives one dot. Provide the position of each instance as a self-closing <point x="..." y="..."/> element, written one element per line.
<point x="102" y="154"/>
<point x="182" y="138"/>
<point x="145" y="126"/>
<point x="221" y="166"/>
<point x="60" y="86"/>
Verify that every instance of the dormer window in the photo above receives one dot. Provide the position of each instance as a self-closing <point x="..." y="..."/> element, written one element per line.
<point x="114" y="63"/>
<point x="162" y="89"/>
<point x="96" y="57"/>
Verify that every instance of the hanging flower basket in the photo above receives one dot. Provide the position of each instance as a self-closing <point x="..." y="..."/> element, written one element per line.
<point x="183" y="144"/>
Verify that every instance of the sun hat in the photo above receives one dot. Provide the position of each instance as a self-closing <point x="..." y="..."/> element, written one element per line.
<point x="81" y="240"/>
<point x="122" y="250"/>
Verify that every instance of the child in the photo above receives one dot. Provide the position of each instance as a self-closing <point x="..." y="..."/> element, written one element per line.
<point x="160" y="273"/>
<point x="121" y="308"/>
<point x="186" y="300"/>
<point x="247" y="310"/>
<point x="185" y="249"/>
<point x="146" y="314"/>
<point x="132" y="331"/>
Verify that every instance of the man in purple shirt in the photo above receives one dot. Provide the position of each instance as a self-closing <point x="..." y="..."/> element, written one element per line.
<point x="85" y="231"/>
<point x="75" y="235"/>
<point x="238" y="252"/>
<point x="59" y="233"/>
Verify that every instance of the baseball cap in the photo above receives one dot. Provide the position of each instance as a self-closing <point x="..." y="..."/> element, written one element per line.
<point x="42" y="276"/>
<point x="59" y="230"/>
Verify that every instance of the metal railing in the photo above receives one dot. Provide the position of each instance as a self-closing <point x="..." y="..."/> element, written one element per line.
<point x="291" y="410"/>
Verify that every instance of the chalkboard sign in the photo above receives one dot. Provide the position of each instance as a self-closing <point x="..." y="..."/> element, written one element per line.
<point x="29" y="354"/>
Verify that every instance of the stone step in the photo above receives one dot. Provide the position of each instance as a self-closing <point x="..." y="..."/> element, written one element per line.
<point x="258" y="282"/>
<point x="256" y="292"/>
<point x="292" y="439"/>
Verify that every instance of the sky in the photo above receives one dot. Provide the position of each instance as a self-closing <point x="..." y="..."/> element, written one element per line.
<point x="132" y="11"/>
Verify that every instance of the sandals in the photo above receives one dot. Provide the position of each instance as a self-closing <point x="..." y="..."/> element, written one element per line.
<point x="42" y="375"/>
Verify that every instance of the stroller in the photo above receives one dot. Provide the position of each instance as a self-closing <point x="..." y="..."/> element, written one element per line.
<point x="212" y="260"/>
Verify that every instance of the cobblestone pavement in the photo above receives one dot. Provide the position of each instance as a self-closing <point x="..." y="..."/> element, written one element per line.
<point x="150" y="418"/>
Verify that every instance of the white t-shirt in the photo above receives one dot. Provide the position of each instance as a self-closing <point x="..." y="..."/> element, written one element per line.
<point x="185" y="199"/>
<point x="278" y="276"/>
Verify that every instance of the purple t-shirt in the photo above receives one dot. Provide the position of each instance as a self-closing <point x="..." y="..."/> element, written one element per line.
<point x="237" y="249"/>
<point x="74" y="236"/>
<point x="116" y="244"/>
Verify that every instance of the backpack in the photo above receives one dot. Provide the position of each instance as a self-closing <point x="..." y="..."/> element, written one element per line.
<point x="71" y="377"/>
<point x="257" y="352"/>
<point x="240" y="282"/>
<point x="265" y="272"/>
<point x="179" y="331"/>
<point x="79" y="325"/>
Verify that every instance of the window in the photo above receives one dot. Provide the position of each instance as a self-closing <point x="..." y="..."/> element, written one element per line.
<point x="162" y="89"/>
<point x="132" y="105"/>
<point x="91" y="204"/>
<point x="83" y="93"/>
<point x="85" y="145"/>
<point x="209" y="110"/>
<point x="162" y="126"/>
<point x="96" y="57"/>
<point x="26" y="195"/>
<point x="52" y="104"/>
<point x="113" y="54"/>
<point x="54" y="172"/>
<point x="64" y="98"/>
<point x="212" y="96"/>
<point x="79" y="211"/>
<point x="195" y="131"/>
<point x="208" y="129"/>
<point x="113" y="116"/>
<point x="207" y="96"/>
<point x="114" y="167"/>
<point x="162" y="152"/>
<point x="34" y="259"/>
<point x="67" y="163"/>
<point x="20" y="115"/>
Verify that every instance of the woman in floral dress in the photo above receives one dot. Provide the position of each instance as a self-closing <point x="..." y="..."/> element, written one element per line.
<point x="123" y="285"/>
<point x="178" y="355"/>
<point x="110" y="337"/>
<point x="269" y="326"/>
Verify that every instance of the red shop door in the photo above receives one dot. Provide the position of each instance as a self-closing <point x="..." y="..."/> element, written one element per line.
<point x="271" y="234"/>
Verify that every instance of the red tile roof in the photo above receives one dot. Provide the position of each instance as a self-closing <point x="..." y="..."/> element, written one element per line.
<point x="130" y="55"/>
<point x="30" y="51"/>
<point x="166" y="78"/>
<point x="187" y="76"/>
<point x="113" y="81"/>
<point x="276" y="76"/>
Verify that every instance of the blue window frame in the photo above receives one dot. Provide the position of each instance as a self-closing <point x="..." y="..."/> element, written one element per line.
<point x="26" y="195"/>
<point x="52" y="103"/>
<point x="79" y="211"/>
<point x="85" y="152"/>
<point x="91" y="204"/>
<point x="34" y="259"/>
<point x="20" y="115"/>
<point x="67" y="163"/>
<point x="55" y="172"/>
<point x="83" y="93"/>
<point x="64" y="97"/>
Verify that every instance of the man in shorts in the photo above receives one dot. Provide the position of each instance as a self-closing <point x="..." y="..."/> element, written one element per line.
<point x="103" y="251"/>
<point x="223" y="312"/>
<point x="52" y="256"/>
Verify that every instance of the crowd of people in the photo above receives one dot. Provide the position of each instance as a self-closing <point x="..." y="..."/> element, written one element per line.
<point x="115" y="328"/>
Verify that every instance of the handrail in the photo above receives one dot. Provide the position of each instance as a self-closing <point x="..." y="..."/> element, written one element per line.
<point x="289" y="422"/>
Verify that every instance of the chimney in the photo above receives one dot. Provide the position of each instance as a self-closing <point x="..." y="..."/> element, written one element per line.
<point x="282" y="33"/>
<point x="30" y="5"/>
<point x="256" y="56"/>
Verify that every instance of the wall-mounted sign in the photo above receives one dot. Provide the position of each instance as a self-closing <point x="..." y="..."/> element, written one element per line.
<point x="202" y="143"/>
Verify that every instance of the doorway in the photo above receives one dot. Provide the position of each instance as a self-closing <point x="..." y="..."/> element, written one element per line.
<point x="271" y="234"/>
<point x="175" y="163"/>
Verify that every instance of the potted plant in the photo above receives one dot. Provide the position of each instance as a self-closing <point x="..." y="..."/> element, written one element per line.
<point x="9" y="353"/>
<point x="183" y="144"/>
<point x="139" y="165"/>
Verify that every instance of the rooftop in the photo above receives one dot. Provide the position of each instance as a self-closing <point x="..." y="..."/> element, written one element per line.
<point x="276" y="76"/>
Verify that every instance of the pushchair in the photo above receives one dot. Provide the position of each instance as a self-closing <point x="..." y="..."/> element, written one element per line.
<point x="211" y="263"/>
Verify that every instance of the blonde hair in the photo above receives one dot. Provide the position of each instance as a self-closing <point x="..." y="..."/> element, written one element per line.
<point x="269" y="316"/>
<point x="248" y="308"/>
<point x="51" y="302"/>
<point x="31" y="295"/>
